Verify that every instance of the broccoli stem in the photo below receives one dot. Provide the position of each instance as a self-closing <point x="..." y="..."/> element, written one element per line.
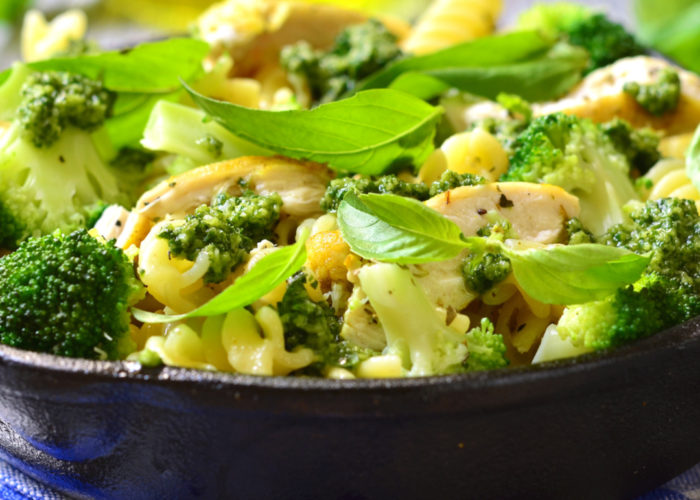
<point x="186" y="131"/>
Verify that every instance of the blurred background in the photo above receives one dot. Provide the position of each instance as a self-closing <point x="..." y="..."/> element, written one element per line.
<point x="671" y="27"/>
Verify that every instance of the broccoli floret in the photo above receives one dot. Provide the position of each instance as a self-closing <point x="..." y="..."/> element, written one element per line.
<point x="314" y="325"/>
<point x="53" y="101"/>
<point x="450" y="180"/>
<point x="421" y="339"/>
<point x="575" y="154"/>
<point x="482" y="271"/>
<point x="225" y="231"/>
<point x="516" y="106"/>
<point x="605" y="40"/>
<point x="487" y="350"/>
<point x="54" y="157"/>
<point x="640" y="146"/>
<point x="660" y="97"/>
<point x="338" y="188"/>
<point x="506" y="131"/>
<point x="359" y="184"/>
<point x="68" y="295"/>
<point x="358" y="52"/>
<point x="668" y="292"/>
<point x="577" y="233"/>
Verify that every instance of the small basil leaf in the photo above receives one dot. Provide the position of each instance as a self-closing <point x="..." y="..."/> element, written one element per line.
<point x="367" y="134"/>
<point x="574" y="274"/>
<point x="497" y="50"/>
<point x="267" y="274"/>
<point x="154" y="67"/>
<point x="391" y="228"/>
<point x="692" y="160"/>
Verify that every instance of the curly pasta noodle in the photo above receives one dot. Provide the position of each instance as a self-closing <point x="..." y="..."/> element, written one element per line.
<point x="237" y="342"/>
<point x="175" y="283"/>
<point x="448" y="22"/>
<point x="670" y="180"/>
<point x="521" y="319"/>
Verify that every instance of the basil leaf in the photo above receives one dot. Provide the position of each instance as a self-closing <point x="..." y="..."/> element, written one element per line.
<point x="154" y="67"/>
<point x="497" y="50"/>
<point x="573" y="274"/>
<point x="391" y="228"/>
<point x="267" y="274"/>
<point x="367" y="134"/>
<point x="692" y="160"/>
<point x="538" y="80"/>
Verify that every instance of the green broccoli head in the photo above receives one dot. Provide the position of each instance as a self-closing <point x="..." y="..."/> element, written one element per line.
<point x="55" y="100"/>
<point x="640" y="146"/>
<point x="660" y="97"/>
<point x="575" y="154"/>
<point x="577" y="233"/>
<point x="482" y="271"/>
<point x="314" y="325"/>
<point x="667" y="294"/>
<point x="54" y="169"/>
<point x="358" y="52"/>
<point x="224" y="231"/>
<point x="338" y="188"/>
<point x="487" y="350"/>
<point x="68" y="295"/>
<point x="451" y="180"/>
<point x="605" y="40"/>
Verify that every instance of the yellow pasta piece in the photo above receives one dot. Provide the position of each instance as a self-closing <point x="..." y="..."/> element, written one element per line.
<point x="42" y="40"/>
<point x="448" y="22"/>
<point x="675" y="146"/>
<point x="248" y="352"/>
<point x="386" y="366"/>
<point x="283" y="361"/>
<point x="476" y="152"/>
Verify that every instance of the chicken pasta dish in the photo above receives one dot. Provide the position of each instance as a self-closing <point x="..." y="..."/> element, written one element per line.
<point x="310" y="190"/>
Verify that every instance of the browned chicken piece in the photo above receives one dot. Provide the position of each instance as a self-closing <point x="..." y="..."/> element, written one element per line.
<point x="300" y="185"/>
<point x="600" y="96"/>
<point x="254" y="31"/>
<point x="536" y="212"/>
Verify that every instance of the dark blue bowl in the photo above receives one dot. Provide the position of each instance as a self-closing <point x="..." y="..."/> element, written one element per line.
<point x="610" y="425"/>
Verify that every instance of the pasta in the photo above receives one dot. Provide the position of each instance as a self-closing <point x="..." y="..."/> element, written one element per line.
<point x="669" y="179"/>
<point x="447" y="22"/>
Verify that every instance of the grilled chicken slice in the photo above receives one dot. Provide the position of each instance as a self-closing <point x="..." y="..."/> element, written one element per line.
<point x="600" y="96"/>
<point x="536" y="212"/>
<point x="300" y="185"/>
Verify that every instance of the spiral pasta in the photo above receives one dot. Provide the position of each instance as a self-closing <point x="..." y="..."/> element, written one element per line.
<point x="669" y="180"/>
<point x="476" y="152"/>
<point x="447" y="22"/>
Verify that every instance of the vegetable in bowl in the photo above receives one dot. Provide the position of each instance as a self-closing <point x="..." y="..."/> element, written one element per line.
<point x="407" y="214"/>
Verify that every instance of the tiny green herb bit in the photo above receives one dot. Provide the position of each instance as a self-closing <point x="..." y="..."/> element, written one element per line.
<point x="660" y="97"/>
<point x="52" y="101"/>
<point x="314" y="325"/>
<point x="68" y="295"/>
<point x="358" y="51"/>
<point x="225" y="231"/>
<point x="211" y="145"/>
<point x="516" y="106"/>
<point x="640" y="146"/>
